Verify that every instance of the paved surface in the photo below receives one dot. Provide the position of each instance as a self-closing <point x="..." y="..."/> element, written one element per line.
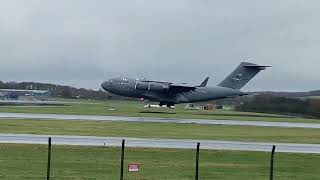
<point x="158" y="120"/>
<point x="29" y="103"/>
<point x="158" y="143"/>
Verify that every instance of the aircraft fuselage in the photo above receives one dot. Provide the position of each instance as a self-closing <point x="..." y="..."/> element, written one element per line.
<point x="170" y="93"/>
<point x="128" y="87"/>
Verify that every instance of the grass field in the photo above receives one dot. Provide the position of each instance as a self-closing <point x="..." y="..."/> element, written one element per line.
<point x="28" y="162"/>
<point x="136" y="109"/>
<point x="161" y="130"/>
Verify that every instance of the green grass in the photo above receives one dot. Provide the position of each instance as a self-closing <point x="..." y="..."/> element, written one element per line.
<point x="161" y="130"/>
<point x="28" y="162"/>
<point x="136" y="109"/>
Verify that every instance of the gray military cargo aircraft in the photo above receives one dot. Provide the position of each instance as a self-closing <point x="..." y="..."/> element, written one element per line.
<point x="169" y="94"/>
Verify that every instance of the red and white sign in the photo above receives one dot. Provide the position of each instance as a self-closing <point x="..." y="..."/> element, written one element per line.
<point x="134" y="167"/>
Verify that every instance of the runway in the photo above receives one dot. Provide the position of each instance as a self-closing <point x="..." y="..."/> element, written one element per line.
<point x="29" y="103"/>
<point x="158" y="143"/>
<point x="14" y="116"/>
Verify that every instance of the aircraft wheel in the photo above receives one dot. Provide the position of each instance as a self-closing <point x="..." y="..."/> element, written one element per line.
<point x="169" y="105"/>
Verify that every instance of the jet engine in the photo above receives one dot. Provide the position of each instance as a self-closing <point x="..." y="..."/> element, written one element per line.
<point x="142" y="86"/>
<point x="159" y="87"/>
<point x="152" y="86"/>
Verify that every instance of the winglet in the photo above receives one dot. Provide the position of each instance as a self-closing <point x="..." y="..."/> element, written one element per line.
<point x="204" y="83"/>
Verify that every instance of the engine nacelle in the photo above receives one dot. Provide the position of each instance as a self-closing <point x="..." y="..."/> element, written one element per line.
<point x="158" y="87"/>
<point x="152" y="86"/>
<point x="142" y="86"/>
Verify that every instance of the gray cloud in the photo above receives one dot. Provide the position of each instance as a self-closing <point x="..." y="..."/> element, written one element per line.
<point x="81" y="43"/>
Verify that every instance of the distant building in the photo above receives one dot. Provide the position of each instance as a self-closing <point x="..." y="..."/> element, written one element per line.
<point x="16" y="93"/>
<point x="208" y="106"/>
<point x="2" y="96"/>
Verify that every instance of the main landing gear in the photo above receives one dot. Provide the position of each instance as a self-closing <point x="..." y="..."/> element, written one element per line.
<point x="169" y="105"/>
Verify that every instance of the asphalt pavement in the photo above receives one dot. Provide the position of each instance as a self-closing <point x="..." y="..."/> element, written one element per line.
<point x="159" y="143"/>
<point x="14" y="116"/>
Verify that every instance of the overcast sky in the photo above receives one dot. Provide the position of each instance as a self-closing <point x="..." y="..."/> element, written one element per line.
<point x="83" y="42"/>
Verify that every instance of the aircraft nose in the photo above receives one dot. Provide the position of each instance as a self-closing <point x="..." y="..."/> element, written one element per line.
<point x="105" y="85"/>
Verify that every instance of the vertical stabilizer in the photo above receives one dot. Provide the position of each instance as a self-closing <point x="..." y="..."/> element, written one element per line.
<point x="242" y="75"/>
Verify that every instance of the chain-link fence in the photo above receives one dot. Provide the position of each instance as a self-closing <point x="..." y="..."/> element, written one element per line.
<point x="59" y="162"/>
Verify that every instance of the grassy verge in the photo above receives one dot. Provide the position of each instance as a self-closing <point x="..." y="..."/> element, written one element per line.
<point x="136" y="109"/>
<point x="161" y="130"/>
<point x="28" y="162"/>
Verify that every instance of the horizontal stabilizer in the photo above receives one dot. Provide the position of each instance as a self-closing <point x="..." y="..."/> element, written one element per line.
<point x="257" y="66"/>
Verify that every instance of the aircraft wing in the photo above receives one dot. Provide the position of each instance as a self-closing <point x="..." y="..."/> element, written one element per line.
<point x="175" y="88"/>
<point x="181" y="88"/>
<point x="156" y="81"/>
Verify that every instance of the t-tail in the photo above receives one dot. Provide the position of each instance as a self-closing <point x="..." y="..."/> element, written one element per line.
<point x="242" y="75"/>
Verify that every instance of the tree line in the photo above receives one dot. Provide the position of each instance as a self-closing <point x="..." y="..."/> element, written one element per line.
<point x="267" y="103"/>
<point x="62" y="91"/>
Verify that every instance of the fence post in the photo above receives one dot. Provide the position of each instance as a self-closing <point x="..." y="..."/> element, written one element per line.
<point x="122" y="160"/>
<point x="49" y="159"/>
<point x="272" y="161"/>
<point x="197" y="161"/>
